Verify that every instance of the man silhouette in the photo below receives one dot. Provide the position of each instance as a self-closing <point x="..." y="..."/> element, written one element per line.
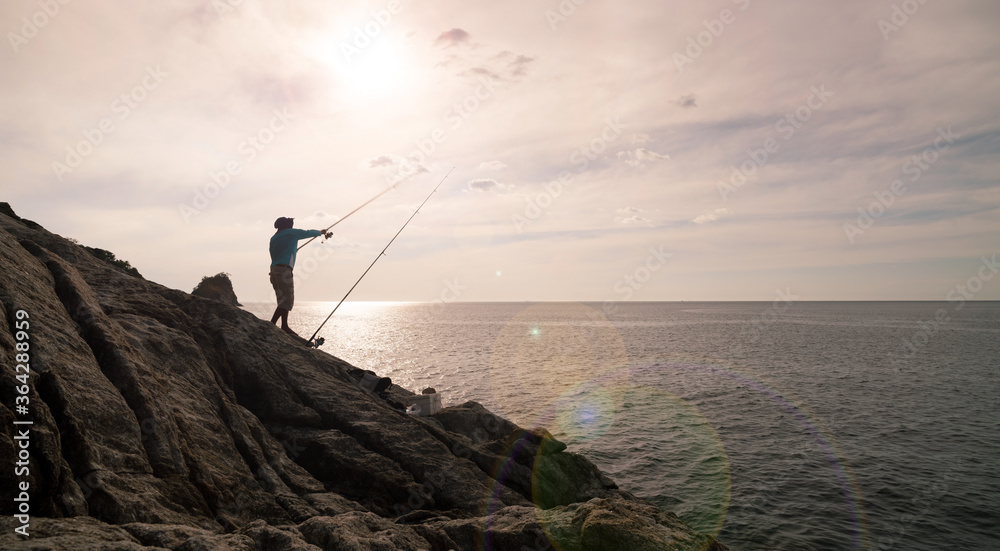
<point x="284" y="244"/>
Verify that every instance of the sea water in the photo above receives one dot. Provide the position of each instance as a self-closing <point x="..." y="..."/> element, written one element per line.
<point x="786" y="425"/>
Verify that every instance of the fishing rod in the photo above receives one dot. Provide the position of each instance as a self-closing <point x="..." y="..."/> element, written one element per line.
<point x="363" y="205"/>
<point x="319" y="341"/>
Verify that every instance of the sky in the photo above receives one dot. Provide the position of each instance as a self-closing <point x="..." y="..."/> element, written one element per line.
<point x="649" y="150"/>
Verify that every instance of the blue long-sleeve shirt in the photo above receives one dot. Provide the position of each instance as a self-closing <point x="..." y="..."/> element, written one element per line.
<point x="285" y="242"/>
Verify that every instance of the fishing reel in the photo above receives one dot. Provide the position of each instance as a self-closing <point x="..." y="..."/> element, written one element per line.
<point x="317" y="342"/>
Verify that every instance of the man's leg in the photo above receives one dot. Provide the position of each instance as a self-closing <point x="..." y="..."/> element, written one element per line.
<point x="280" y="313"/>
<point x="284" y="291"/>
<point x="288" y="299"/>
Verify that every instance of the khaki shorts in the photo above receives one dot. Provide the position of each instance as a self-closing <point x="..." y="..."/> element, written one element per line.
<point x="284" y="287"/>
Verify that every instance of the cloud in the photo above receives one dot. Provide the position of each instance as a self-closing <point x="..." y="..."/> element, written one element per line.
<point x="687" y="102"/>
<point x="717" y="214"/>
<point x="481" y="71"/>
<point x="637" y="156"/>
<point x="505" y="66"/>
<point x="381" y="160"/>
<point x="393" y="163"/>
<point x="630" y="215"/>
<point x="519" y="65"/>
<point x="320" y="218"/>
<point x="486" y="185"/>
<point x="641" y="138"/>
<point x="492" y="165"/>
<point x="453" y="37"/>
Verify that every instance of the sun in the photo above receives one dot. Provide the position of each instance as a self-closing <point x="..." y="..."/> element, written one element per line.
<point x="373" y="70"/>
<point x="378" y="70"/>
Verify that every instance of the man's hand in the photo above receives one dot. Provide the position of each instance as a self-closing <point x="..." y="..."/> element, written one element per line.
<point x="328" y="235"/>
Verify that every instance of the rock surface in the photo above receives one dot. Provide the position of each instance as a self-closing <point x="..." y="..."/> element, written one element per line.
<point x="163" y="420"/>
<point x="218" y="287"/>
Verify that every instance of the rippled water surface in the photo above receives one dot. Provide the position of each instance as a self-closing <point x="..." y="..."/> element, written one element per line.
<point x="777" y="426"/>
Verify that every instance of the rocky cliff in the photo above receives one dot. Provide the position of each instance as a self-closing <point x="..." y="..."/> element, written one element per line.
<point x="162" y="420"/>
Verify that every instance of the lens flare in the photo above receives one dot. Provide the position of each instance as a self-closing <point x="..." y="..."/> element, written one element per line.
<point x="545" y="352"/>
<point x="585" y="412"/>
